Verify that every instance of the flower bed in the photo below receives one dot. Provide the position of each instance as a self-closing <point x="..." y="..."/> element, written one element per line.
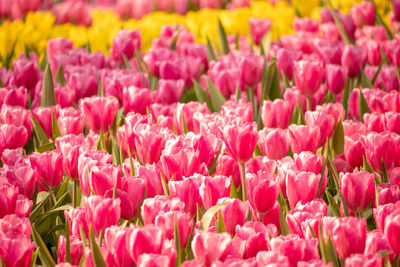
<point x="228" y="152"/>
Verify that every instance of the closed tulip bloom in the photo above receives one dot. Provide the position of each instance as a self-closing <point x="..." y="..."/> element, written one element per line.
<point x="360" y="260"/>
<point x="137" y="100"/>
<point x="187" y="191"/>
<point x="149" y="142"/>
<point x="69" y="146"/>
<point x="348" y="235"/>
<point x="125" y="44"/>
<point x="157" y="260"/>
<point x="262" y="191"/>
<point x="304" y="138"/>
<point x="99" y="112"/>
<point x="26" y="72"/>
<point x="9" y="197"/>
<point x="308" y="181"/>
<point x="256" y="237"/>
<point x="76" y="249"/>
<point x="259" y="28"/>
<point x="325" y="122"/>
<point x="130" y="193"/>
<point x="308" y="161"/>
<point x="392" y="231"/>
<point x="308" y="76"/>
<point x="379" y="147"/>
<point x="358" y="189"/>
<point x="116" y="239"/>
<point x="16" y="115"/>
<point x="208" y="247"/>
<point x="274" y="143"/>
<point x="295" y="248"/>
<point x="363" y="14"/>
<point x="375" y="242"/>
<point x="330" y="52"/>
<point x="251" y="69"/>
<point x="48" y="168"/>
<point x="335" y="76"/>
<point x="276" y="114"/>
<point x="227" y="166"/>
<point x="240" y="140"/>
<point x="167" y="221"/>
<point x="354" y="150"/>
<point x="13" y="136"/>
<point x="233" y="213"/>
<point x="146" y="239"/>
<point x="285" y="59"/>
<point x="214" y="188"/>
<point x="170" y="91"/>
<point x="354" y="58"/>
<point x="104" y="177"/>
<point x="274" y="258"/>
<point x="388" y="193"/>
<point x="151" y="207"/>
<point x="102" y="212"/>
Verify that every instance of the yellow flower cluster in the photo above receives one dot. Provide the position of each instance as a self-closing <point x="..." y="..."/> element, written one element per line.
<point x="37" y="28"/>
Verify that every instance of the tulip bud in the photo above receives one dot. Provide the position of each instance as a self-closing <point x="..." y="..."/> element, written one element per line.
<point x="308" y="76"/>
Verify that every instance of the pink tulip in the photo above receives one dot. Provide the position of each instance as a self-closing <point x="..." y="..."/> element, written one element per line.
<point x="234" y="213"/>
<point x="58" y="46"/>
<point x="256" y="238"/>
<point x="146" y="239"/>
<point x="308" y="76"/>
<point x="13" y="136"/>
<point x="167" y="221"/>
<point x="131" y="194"/>
<point x="145" y="260"/>
<point x="335" y="76"/>
<point x="262" y="191"/>
<point x="303" y="138"/>
<point x="82" y="80"/>
<point x="392" y="231"/>
<point x="16" y="115"/>
<point x="16" y="247"/>
<point x="76" y="249"/>
<point x="251" y="68"/>
<point x="102" y="212"/>
<point x="363" y="14"/>
<point x="170" y="91"/>
<point x="149" y="142"/>
<point x="26" y="72"/>
<point x="48" y="168"/>
<point x="375" y="242"/>
<point x="116" y="239"/>
<point x="69" y="147"/>
<point x="388" y="193"/>
<point x="151" y="176"/>
<point x="125" y="43"/>
<point x="348" y="235"/>
<point x="137" y="100"/>
<point x="276" y="114"/>
<point x="208" y="247"/>
<point x="354" y="58"/>
<point x="77" y="219"/>
<point x="295" y="249"/>
<point x="186" y="112"/>
<point x="265" y="258"/>
<point x="379" y="147"/>
<point x="104" y="177"/>
<point x="16" y="97"/>
<point x="188" y="192"/>
<point x="285" y="59"/>
<point x="308" y="181"/>
<point x="214" y="188"/>
<point x="358" y="189"/>
<point x="362" y="260"/>
<point x="259" y="28"/>
<point x="274" y="143"/>
<point x="99" y="112"/>
<point x="324" y="121"/>
<point x="153" y="206"/>
<point x="227" y="166"/>
<point x="240" y="141"/>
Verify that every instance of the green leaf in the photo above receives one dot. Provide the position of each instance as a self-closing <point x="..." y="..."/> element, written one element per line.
<point x="209" y="215"/>
<point x="238" y="92"/>
<point x="343" y="33"/>
<point x="100" y="88"/>
<point x="47" y="147"/>
<point x="38" y="208"/>
<point x="44" y="62"/>
<point x="126" y="62"/>
<point x="40" y="133"/>
<point x="67" y="241"/>
<point x="235" y="192"/>
<point x="56" y="129"/>
<point x="201" y="94"/>
<point x="34" y="258"/>
<point x="366" y="166"/>
<point x="222" y="38"/>
<point x="60" y="78"/>
<point x="365" y="82"/>
<point x="376" y="74"/>
<point x="164" y="185"/>
<point x="172" y="46"/>
<point x="274" y="87"/>
<point x="345" y="209"/>
<point x="221" y="223"/>
<point x="362" y="106"/>
<point x="217" y="99"/>
<point x="384" y="173"/>
<point x="380" y="21"/>
<point x="346" y="93"/>
<point x="214" y="162"/>
<point x="83" y="237"/>
<point x="61" y="190"/>
<point x="210" y="51"/>
<point x="265" y="44"/>
<point x="338" y="138"/>
<point x="44" y="253"/>
<point x="48" y="94"/>
<point x="96" y="253"/>
<point x="333" y="204"/>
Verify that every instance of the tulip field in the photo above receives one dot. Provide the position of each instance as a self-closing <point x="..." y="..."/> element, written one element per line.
<point x="196" y="133"/>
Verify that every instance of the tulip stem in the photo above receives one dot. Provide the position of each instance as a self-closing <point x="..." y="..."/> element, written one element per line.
<point x="309" y="103"/>
<point x="74" y="193"/>
<point x="243" y="178"/>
